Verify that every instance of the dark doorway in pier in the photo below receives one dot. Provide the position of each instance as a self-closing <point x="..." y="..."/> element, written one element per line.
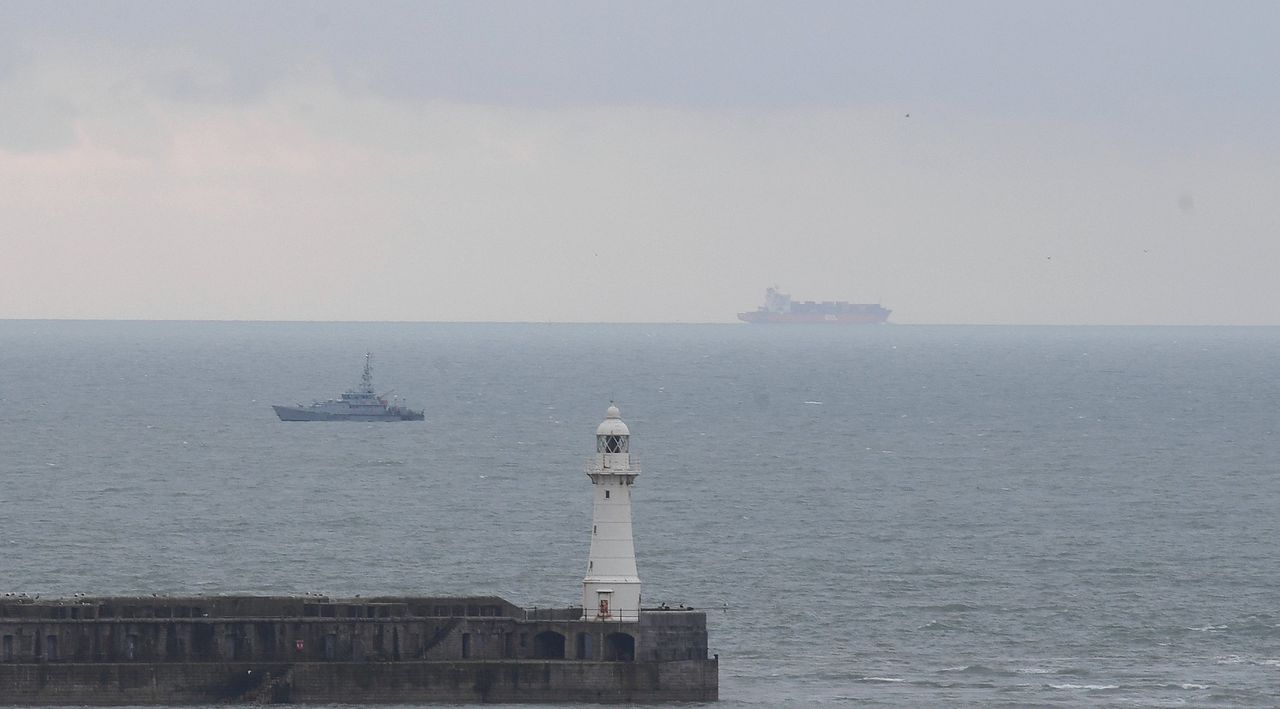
<point x="619" y="647"/>
<point x="231" y="647"/>
<point x="548" y="645"/>
<point x="171" y="647"/>
<point x="266" y="639"/>
<point x="202" y="641"/>
<point x="583" y="647"/>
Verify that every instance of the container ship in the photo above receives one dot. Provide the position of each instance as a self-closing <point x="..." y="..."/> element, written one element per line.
<point x="779" y="308"/>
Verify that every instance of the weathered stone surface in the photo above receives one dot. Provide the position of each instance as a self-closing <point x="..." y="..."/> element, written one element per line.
<point x="310" y="649"/>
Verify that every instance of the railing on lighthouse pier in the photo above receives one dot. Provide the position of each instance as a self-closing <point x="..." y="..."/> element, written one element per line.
<point x="594" y="466"/>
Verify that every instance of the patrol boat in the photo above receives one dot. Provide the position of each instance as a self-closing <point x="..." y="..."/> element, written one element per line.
<point x="360" y="404"/>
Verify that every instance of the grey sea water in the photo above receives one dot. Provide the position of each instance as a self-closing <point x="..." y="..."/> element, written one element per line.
<point x="884" y="516"/>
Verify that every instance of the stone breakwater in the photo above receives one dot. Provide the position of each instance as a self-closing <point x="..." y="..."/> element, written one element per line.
<point x="313" y="649"/>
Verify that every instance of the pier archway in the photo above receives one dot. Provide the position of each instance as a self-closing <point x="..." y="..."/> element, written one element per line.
<point x="548" y="645"/>
<point x="619" y="647"/>
<point x="584" y="650"/>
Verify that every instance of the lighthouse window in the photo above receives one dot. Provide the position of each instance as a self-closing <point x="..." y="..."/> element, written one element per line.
<point x="611" y="444"/>
<point x="606" y="494"/>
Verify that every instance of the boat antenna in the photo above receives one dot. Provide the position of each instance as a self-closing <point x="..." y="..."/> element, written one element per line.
<point x="366" y="380"/>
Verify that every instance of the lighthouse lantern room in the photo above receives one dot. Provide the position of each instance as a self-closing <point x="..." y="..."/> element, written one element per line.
<point x="611" y="589"/>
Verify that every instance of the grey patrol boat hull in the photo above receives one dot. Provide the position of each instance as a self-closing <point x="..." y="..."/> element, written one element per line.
<point x="294" y="413"/>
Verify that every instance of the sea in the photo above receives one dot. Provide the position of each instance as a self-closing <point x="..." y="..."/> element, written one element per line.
<point x="891" y="516"/>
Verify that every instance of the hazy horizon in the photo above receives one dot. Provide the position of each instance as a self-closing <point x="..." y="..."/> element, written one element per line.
<point x="1086" y="163"/>
<point x="638" y="323"/>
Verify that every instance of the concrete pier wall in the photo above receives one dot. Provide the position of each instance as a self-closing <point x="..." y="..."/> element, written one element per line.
<point x="286" y="649"/>
<point x="507" y="681"/>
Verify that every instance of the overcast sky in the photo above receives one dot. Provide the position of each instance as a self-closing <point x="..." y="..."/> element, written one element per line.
<point x="959" y="162"/>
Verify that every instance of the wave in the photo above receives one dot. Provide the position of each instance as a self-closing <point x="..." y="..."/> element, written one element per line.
<point x="936" y="625"/>
<point x="1238" y="660"/>
<point x="985" y="670"/>
<point x="951" y="608"/>
<point x="973" y="670"/>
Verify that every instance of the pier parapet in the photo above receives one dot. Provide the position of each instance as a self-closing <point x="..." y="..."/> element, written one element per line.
<point x="316" y="649"/>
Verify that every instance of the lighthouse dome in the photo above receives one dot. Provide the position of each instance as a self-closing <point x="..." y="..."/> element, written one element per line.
<point x="612" y="425"/>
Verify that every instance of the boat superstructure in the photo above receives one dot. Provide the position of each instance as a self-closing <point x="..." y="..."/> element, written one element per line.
<point x="779" y="308"/>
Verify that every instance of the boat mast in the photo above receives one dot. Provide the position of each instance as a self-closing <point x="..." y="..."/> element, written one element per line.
<point x="366" y="380"/>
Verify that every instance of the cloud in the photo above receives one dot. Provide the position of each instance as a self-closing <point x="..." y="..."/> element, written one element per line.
<point x="309" y="200"/>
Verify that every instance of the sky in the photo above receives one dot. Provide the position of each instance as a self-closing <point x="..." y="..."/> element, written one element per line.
<point x="958" y="162"/>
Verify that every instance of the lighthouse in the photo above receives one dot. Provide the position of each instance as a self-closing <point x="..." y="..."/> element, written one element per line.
<point x="611" y="589"/>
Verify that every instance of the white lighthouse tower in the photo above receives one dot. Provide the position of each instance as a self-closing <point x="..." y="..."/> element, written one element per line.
<point x="611" y="589"/>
